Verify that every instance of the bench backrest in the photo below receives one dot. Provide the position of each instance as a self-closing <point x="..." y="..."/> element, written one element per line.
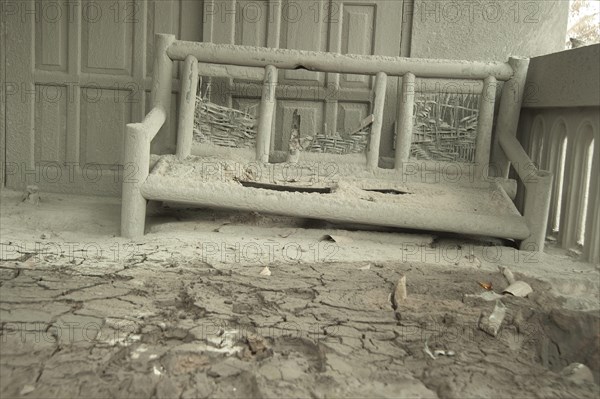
<point x="257" y="63"/>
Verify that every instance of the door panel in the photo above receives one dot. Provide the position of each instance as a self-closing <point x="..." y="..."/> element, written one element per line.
<point x="301" y="31"/>
<point x="51" y="120"/>
<point x="107" y="39"/>
<point x="357" y="38"/>
<point x="52" y="41"/>
<point x="329" y="103"/>
<point x="102" y="144"/>
<point x="252" y="23"/>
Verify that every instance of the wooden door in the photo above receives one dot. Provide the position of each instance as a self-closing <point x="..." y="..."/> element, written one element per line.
<point x="327" y="102"/>
<point x="77" y="72"/>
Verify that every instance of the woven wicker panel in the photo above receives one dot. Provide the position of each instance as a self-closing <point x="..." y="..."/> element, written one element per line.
<point x="445" y="127"/>
<point x="223" y="126"/>
<point x="228" y="127"/>
<point x="356" y="143"/>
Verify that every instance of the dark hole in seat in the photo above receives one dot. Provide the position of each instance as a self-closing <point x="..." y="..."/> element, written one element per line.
<point x="387" y="191"/>
<point x="290" y="189"/>
<point x="301" y="67"/>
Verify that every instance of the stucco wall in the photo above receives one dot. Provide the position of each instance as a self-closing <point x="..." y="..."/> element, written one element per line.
<point x="570" y="78"/>
<point x="487" y="30"/>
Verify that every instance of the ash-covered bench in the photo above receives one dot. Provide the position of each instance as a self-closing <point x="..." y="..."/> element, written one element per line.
<point x="469" y="199"/>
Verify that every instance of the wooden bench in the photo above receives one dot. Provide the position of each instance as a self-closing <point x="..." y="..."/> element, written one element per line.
<point x="467" y="199"/>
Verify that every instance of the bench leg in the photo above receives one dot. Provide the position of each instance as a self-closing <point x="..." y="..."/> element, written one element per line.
<point x="537" y="207"/>
<point x="136" y="164"/>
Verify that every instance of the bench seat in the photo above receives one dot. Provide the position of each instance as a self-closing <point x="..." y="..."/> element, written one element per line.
<point x="382" y="199"/>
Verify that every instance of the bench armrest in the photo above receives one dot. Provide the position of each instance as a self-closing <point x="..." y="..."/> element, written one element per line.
<point x="538" y="188"/>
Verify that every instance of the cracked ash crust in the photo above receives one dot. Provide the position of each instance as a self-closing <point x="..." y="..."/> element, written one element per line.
<point x="169" y="328"/>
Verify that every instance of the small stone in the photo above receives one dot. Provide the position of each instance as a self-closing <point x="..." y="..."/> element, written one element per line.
<point x="399" y="292"/>
<point x="31" y="195"/>
<point x="491" y="324"/>
<point x="228" y="368"/>
<point x="578" y="373"/>
<point x="27" y="389"/>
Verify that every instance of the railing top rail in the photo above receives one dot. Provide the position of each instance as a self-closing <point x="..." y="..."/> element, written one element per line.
<point x="230" y="54"/>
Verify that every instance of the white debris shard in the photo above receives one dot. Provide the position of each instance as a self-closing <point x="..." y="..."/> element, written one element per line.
<point x="27" y="389"/>
<point x="491" y="324"/>
<point x="428" y="351"/>
<point x="508" y="274"/>
<point x="399" y="292"/>
<point x="518" y="288"/>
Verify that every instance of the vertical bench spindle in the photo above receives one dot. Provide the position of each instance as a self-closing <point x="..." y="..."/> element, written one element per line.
<point x="265" y="120"/>
<point x="485" y="122"/>
<point x="378" y="106"/>
<point x="187" y="102"/>
<point x="404" y="122"/>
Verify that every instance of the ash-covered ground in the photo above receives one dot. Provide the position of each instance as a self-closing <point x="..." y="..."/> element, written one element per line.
<point x="190" y="311"/>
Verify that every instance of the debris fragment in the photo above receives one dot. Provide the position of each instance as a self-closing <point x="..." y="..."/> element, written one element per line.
<point x="578" y="373"/>
<point x="486" y="286"/>
<point x="31" y="195"/>
<point x="218" y="229"/>
<point x="27" y="389"/>
<point x="287" y="234"/>
<point x="508" y="274"/>
<point x="294" y="142"/>
<point x="427" y="351"/>
<point x="491" y="324"/>
<point x="224" y="341"/>
<point x="257" y="344"/>
<point x="400" y="291"/>
<point x="336" y="238"/>
<point x="257" y="348"/>
<point x="265" y="271"/>
<point x="367" y="267"/>
<point x="518" y="288"/>
<point x="441" y="352"/>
